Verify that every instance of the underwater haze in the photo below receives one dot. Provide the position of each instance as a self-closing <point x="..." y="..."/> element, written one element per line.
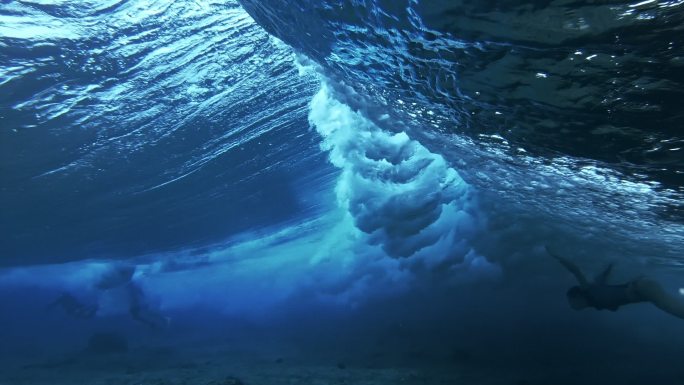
<point x="218" y="192"/>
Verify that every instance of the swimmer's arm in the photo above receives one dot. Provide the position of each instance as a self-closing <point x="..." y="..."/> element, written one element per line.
<point x="581" y="279"/>
<point x="602" y="278"/>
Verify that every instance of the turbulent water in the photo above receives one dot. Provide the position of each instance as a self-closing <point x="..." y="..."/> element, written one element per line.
<point x="339" y="184"/>
<point x="576" y="104"/>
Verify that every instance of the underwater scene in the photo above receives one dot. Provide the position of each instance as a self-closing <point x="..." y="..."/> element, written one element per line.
<point x="341" y="192"/>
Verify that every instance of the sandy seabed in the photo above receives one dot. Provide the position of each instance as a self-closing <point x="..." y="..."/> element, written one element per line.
<point x="164" y="366"/>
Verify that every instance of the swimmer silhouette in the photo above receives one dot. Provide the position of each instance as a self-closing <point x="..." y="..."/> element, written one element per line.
<point x="118" y="276"/>
<point x="74" y="307"/>
<point x="142" y="312"/>
<point x="600" y="295"/>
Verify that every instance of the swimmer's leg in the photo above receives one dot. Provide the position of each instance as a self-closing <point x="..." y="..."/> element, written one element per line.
<point x="651" y="291"/>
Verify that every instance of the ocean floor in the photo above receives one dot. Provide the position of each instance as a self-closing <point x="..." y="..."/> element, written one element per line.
<point x="223" y="365"/>
<point x="505" y="342"/>
<point x="165" y="366"/>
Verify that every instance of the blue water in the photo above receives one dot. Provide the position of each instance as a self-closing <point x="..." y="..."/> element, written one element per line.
<point x="359" y="191"/>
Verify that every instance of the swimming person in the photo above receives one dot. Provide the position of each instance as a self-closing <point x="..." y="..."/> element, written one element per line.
<point x="600" y="295"/>
<point x="74" y="307"/>
<point x="120" y="276"/>
<point x="116" y="275"/>
<point x="117" y="278"/>
<point x="141" y="311"/>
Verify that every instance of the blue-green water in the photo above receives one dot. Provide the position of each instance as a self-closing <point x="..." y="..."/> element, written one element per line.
<point x="337" y="191"/>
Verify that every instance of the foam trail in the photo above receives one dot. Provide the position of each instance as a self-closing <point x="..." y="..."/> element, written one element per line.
<point x="405" y="198"/>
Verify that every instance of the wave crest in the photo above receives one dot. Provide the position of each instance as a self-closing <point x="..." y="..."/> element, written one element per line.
<point x="397" y="191"/>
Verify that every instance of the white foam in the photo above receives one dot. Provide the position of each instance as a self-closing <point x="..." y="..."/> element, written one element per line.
<point x="407" y="199"/>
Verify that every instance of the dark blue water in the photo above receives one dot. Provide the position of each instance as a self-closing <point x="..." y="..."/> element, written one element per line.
<point x="271" y="192"/>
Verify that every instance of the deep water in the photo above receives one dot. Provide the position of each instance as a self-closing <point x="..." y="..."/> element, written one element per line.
<point x="337" y="191"/>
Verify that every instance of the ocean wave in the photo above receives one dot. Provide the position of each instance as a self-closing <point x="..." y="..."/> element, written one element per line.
<point x="185" y="114"/>
<point x="560" y="108"/>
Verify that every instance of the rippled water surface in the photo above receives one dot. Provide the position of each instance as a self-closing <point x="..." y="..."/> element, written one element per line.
<point x="131" y="117"/>
<point x="573" y="103"/>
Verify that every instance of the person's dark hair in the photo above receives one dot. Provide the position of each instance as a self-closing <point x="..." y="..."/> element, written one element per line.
<point x="577" y="298"/>
<point x="575" y="292"/>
